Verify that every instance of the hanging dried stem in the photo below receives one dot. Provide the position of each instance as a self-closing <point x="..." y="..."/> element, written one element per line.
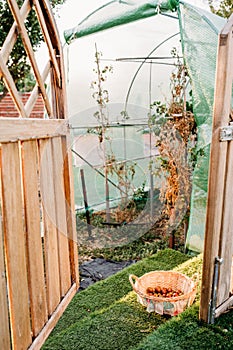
<point x="173" y="126"/>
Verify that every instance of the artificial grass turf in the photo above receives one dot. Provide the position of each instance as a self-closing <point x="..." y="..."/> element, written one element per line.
<point x="107" y="316"/>
<point x="186" y="332"/>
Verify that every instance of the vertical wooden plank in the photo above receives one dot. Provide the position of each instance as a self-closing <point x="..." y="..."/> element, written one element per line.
<point x="39" y="341"/>
<point x="47" y="38"/>
<point x="58" y="92"/>
<point x="70" y="208"/>
<point x="58" y="88"/>
<point x="38" y="306"/>
<point x="14" y="237"/>
<point x="50" y="230"/>
<point x="5" y="342"/>
<point x="60" y="206"/>
<point x="217" y="172"/>
<point x="226" y="242"/>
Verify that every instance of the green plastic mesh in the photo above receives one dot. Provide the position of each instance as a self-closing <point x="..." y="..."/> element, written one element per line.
<point x="115" y="13"/>
<point x="199" y="34"/>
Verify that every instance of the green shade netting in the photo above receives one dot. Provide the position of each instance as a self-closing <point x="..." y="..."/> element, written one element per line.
<point x="116" y="13"/>
<point x="199" y="36"/>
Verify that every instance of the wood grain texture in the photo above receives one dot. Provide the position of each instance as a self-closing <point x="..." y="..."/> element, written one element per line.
<point x="14" y="237"/>
<point x="51" y="25"/>
<point x="13" y="129"/>
<point x="61" y="219"/>
<point x="226" y="241"/>
<point x="50" y="229"/>
<point x="47" y="38"/>
<point x="70" y="208"/>
<point x="28" y="47"/>
<point x="34" y="94"/>
<point x="13" y="34"/>
<point x="216" y="230"/>
<point x="39" y="341"/>
<point x="36" y="273"/>
<point x="8" y="80"/>
<point x="4" y="314"/>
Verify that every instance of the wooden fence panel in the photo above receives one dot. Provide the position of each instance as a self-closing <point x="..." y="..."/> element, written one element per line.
<point x="36" y="273"/>
<point x="14" y="237"/>
<point x="39" y="269"/>
<point x="4" y="314"/>
<point x="49" y="219"/>
<point x="61" y="220"/>
<point x="38" y="248"/>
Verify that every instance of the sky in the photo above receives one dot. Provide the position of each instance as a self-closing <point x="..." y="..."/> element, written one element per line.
<point x="133" y="40"/>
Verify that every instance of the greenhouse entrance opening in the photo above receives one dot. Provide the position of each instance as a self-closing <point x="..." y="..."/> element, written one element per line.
<point x="143" y="94"/>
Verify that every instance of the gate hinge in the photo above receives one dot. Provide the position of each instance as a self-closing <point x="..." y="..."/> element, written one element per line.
<point x="212" y="303"/>
<point x="226" y="133"/>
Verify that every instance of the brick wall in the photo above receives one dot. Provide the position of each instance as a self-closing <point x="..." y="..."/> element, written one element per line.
<point x="8" y="109"/>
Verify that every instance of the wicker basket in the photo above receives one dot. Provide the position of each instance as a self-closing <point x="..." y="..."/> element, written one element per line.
<point x="165" y="279"/>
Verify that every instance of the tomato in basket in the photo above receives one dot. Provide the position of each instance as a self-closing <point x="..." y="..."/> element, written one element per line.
<point x="163" y="292"/>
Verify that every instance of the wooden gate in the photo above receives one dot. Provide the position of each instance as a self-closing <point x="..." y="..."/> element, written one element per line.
<point x="217" y="293"/>
<point x="38" y="250"/>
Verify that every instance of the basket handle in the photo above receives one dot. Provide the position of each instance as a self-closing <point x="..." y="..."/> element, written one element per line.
<point x="195" y="278"/>
<point x="131" y="279"/>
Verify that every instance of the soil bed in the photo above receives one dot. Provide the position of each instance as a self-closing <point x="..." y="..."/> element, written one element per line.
<point x="98" y="269"/>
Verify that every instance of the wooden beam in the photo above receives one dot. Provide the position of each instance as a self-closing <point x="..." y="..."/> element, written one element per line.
<point x="4" y="310"/>
<point x="58" y="92"/>
<point x="217" y="172"/>
<point x="12" y="88"/>
<point x="14" y="129"/>
<point x="70" y="211"/>
<point x="51" y="25"/>
<point x="28" y="47"/>
<point x="13" y="33"/>
<point x="227" y="28"/>
<point x="224" y="307"/>
<point x="47" y="39"/>
<point x="35" y="92"/>
<point x="226" y="241"/>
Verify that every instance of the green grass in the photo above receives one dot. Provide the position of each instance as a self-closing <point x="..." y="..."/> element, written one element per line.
<point x="186" y="332"/>
<point x="107" y="316"/>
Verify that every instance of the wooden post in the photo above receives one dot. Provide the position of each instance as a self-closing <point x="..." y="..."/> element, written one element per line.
<point x="86" y="203"/>
<point x="151" y="184"/>
<point x="215" y="234"/>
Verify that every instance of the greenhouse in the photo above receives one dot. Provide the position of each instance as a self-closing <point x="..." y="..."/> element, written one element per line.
<point x="149" y="87"/>
<point x="116" y="166"/>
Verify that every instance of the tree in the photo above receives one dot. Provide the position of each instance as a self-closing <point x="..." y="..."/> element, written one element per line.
<point x="224" y="9"/>
<point x="18" y="62"/>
